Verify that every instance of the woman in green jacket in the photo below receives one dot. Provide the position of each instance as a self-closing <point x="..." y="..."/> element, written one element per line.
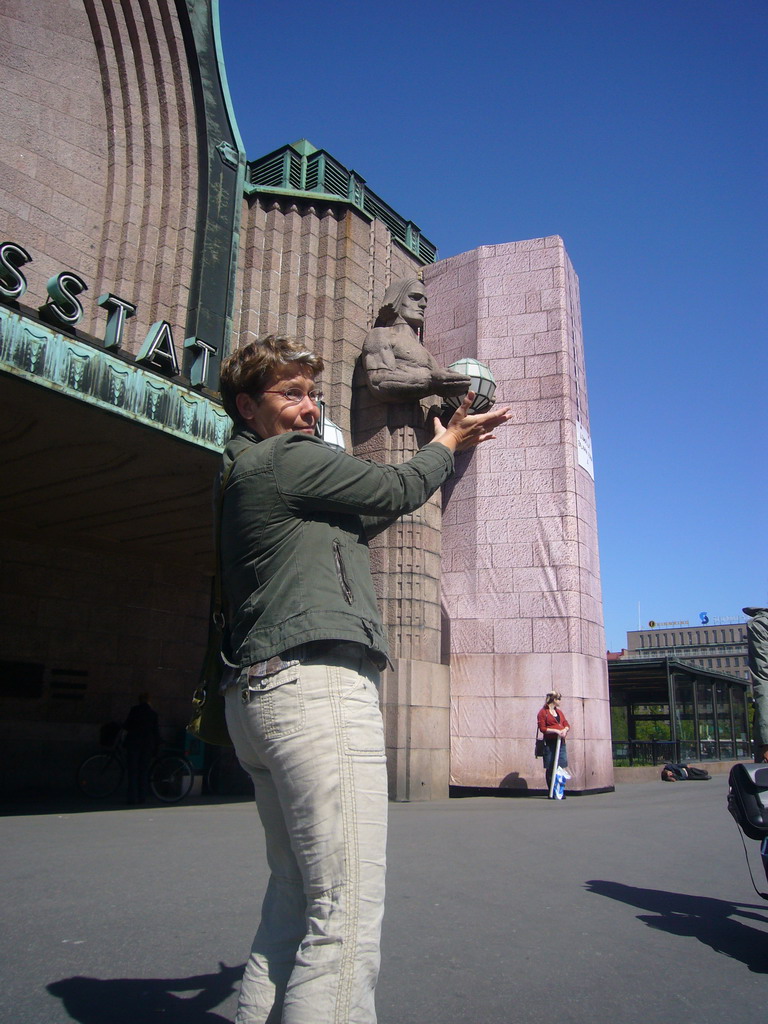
<point x="308" y="643"/>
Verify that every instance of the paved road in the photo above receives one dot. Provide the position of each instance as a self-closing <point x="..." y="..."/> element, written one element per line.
<point x="633" y="907"/>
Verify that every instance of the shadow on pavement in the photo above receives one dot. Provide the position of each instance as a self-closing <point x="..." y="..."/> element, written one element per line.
<point x="128" y="1000"/>
<point x="701" y="917"/>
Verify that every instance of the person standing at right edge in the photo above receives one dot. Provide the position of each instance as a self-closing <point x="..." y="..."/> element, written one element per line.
<point x="553" y="724"/>
<point x="757" y="656"/>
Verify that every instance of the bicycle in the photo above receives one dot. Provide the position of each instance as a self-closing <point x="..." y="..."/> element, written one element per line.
<point x="100" y="776"/>
<point x="225" y="777"/>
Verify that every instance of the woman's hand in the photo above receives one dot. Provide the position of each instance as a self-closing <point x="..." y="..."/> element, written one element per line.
<point x="465" y="431"/>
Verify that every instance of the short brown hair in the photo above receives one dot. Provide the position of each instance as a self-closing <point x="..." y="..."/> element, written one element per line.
<point x="248" y="369"/>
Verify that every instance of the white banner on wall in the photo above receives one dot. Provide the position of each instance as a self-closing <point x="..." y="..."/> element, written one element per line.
<point x="584" y="447"/>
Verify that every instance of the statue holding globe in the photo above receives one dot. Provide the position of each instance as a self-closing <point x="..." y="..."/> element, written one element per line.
<point x="397" y="366"/>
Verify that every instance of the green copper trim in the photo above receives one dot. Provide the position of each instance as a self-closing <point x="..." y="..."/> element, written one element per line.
<point x="225" y="93"/>
<point x="302" y="171"/>
<point x="221" y="178"/>
<point x="41" y="355"/>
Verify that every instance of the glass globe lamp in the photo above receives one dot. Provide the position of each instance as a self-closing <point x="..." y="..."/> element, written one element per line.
<point x="331" y="433"/>
<point x="483" y="384"/>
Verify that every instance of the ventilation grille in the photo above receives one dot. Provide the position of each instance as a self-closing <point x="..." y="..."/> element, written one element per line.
<point x="318" y="173"/>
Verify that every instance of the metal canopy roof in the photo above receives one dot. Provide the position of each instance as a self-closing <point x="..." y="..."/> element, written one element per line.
<point x="648" y="678"/>
<point x="100" y="451"/>
<point x="79" y="476"/>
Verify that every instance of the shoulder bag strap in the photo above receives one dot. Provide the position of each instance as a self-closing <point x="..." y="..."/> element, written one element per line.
<point x="218" y="603"/>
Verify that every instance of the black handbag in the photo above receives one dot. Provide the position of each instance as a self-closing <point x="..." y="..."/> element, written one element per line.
<point x="208" y="722"/>
<point x="538" y="746"/>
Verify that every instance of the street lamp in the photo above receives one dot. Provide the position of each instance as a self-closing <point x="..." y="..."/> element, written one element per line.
<point x="330" y="432"/>
<point x="483" y="384"/>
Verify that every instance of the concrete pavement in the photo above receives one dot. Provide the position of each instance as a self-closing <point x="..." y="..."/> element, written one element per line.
<point x="633" y="907"/>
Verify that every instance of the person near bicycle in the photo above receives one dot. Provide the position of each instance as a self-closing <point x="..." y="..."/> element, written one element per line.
<point x="141" y="743"/>
<point x="302" y="704"/>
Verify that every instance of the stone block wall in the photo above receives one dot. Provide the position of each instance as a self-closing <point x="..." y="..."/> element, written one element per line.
<point x="521" y="578"/>
<point x="416" y="709"/>
<point x="99" y="154"/>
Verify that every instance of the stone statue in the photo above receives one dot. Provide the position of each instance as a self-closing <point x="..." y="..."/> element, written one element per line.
<point x="757" y="654"/>
<point x="397" y="366"/>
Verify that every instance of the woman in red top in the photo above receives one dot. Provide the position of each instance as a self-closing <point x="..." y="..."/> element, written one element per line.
<point x="553" y="723"/>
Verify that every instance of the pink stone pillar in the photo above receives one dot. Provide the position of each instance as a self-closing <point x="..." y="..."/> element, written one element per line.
<point x="521" y="576"/>
<point x="405" y="561"/>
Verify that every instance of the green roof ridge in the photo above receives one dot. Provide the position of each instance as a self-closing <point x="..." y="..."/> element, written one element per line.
<point x="303" y="171"/>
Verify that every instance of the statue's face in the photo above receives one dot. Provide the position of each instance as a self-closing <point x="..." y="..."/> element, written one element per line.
<point x="413" y="305"/>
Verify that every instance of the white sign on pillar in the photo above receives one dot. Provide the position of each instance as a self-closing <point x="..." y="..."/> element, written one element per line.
<point x="584" y="447"/>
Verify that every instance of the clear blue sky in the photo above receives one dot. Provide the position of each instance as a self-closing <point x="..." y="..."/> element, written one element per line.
<point x="636" y="130"/>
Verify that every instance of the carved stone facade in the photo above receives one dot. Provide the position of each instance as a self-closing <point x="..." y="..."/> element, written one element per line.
<point x="100" y="153"/>
<point x="121" y="164"/>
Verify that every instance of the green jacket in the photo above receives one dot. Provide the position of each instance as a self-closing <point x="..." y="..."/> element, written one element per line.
<point x="294" y="548"/>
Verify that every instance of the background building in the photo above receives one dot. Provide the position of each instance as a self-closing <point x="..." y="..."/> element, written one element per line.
<point x="138" y="246"/>
<point x="719" y="645"/>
